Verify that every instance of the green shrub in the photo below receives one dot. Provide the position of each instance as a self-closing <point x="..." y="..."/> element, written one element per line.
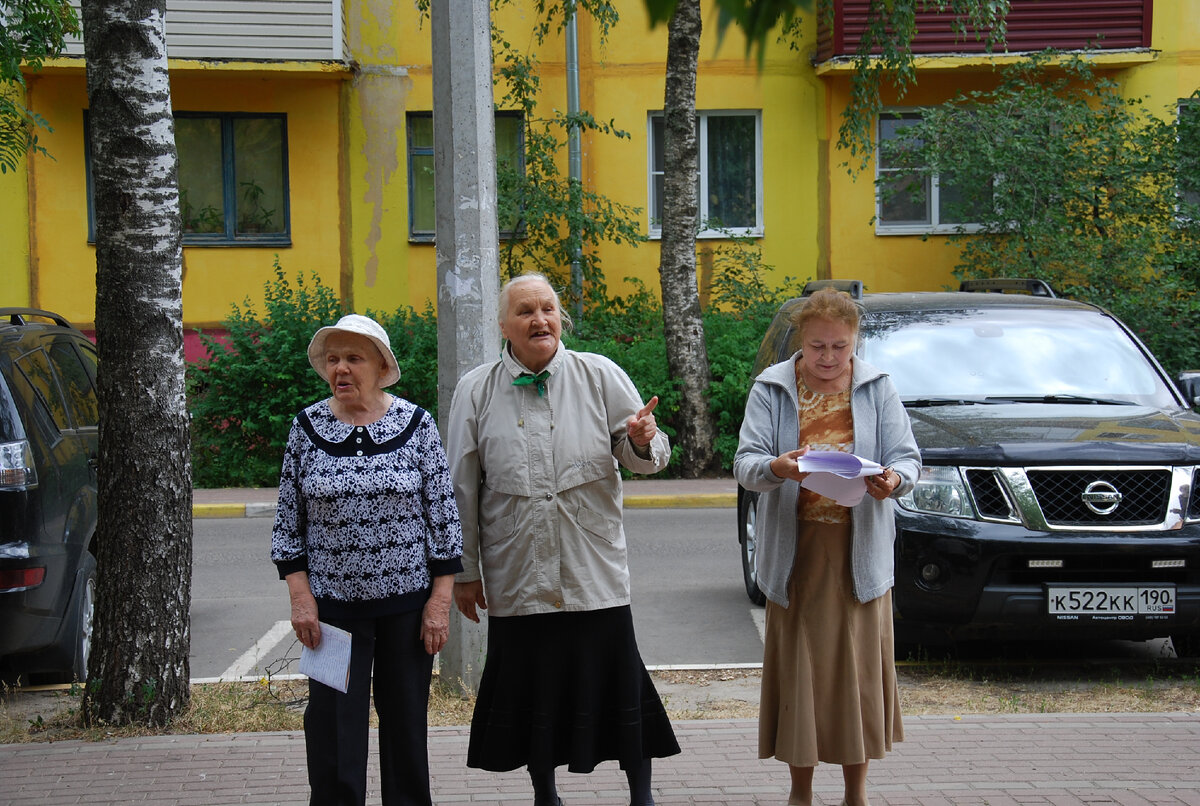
<point x="414" y="341"/>
<point x="244" y="395"/>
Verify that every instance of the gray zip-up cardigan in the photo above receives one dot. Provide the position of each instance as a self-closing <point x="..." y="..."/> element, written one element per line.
<point x="882" y="432"/>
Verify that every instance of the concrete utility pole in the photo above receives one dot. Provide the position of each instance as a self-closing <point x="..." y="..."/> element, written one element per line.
<point x="468" y="264"/>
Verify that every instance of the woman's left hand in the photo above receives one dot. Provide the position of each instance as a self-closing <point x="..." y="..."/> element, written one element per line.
<point x="435" y="619"/>
<point x="881" y="486"/>
<point x="642" y="426"/>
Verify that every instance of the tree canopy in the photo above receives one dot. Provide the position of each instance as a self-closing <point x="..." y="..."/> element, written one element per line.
<point x="1063" y="178"/>
<point x="31" y="31"/>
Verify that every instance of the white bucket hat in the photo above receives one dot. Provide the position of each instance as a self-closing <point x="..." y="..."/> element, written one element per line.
<point x="361" y="326"/>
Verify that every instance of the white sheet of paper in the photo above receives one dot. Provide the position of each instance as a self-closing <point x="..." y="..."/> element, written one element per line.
<point x="329" y="663"/>
<point x="839" y="463"/>
<point x="837" y="475"/>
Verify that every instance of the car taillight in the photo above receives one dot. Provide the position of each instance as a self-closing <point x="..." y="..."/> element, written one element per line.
<point x="16" y="466"/>
<point x="18" y="579"/>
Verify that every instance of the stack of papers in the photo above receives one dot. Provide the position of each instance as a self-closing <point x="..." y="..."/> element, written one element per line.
<point x="837" y="475"/>
<point x="329" y="663"/>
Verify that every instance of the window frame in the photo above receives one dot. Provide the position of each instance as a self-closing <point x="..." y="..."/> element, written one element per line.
<point x="654" y="225"/>
<point x="933" y="206"/>
<point x="229" y="237"/>
<point x="430" y="236"/>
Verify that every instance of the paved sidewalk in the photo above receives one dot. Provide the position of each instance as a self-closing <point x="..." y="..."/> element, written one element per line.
<point x="1017" y="760"/>
<point x="260" y="501"/>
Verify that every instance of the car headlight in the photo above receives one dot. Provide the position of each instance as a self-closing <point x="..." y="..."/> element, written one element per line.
<point x="939" y="491"/>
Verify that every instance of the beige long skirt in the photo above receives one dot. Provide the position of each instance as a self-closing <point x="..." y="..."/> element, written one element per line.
<point x="829" y="691"/>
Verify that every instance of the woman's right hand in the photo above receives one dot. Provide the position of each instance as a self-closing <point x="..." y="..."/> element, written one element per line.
<point x="304" y="610"/>
<point x="784" y="465"/>
<point x="468" y="596"/>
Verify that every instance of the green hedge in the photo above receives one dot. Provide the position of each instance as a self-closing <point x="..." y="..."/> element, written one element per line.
<point x="244" y="395"/>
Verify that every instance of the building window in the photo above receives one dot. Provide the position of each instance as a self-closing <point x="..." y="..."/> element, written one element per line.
<point x="233" y="179"/>
<point x="910" y="203"/>
<point x="510" y="153"/>
<point x="729" y="173"/>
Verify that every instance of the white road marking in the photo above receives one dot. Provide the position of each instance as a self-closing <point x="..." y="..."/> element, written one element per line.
<point x="251" y="657"/>
<point x="759" y="614"/>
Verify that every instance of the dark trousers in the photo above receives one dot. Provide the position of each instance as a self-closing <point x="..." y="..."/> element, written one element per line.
<point x="336" y="725"/>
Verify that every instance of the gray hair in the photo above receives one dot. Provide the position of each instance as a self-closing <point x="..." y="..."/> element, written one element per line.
<point x="531" y="277"/>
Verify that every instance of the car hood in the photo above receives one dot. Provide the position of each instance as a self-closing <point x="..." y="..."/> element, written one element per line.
<point x="1038" y="433"/>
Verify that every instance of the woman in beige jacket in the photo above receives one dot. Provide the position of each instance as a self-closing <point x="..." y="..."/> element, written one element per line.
<point x="534" y="442"/>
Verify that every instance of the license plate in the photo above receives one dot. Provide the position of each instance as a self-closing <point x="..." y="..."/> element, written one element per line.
<point x="1111" y="600"/>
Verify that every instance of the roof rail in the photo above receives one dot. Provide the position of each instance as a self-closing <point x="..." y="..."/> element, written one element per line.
<point x="852" y="287"/>
<point x="1025" y="285"/>
<point x="20" y="316"/>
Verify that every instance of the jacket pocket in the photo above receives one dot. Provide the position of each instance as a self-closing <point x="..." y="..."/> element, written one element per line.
<point x="497" y="531"/>
<point x="596" y="524"/>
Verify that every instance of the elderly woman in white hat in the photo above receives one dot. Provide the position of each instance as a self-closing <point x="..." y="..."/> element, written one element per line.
<point x="367" y="536"/>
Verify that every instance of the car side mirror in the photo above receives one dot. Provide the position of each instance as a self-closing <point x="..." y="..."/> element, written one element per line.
<point x="1189" y="384"/>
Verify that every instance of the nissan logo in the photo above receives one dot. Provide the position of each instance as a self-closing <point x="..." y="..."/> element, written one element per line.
<point x="1101" y="497"/>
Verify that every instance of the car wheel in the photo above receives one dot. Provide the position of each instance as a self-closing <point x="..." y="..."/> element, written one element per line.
<point x="1186" y="646"/>
<point x="83" y="609"/>
<point x="748" y="539"/>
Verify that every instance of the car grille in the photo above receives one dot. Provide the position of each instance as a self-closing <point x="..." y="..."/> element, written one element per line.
<point x="1144" y="495"/>
<point x="1120" y="497"/>
<point x="989" y="497"/>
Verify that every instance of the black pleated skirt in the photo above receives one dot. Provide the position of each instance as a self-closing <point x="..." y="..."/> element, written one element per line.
<point x="566" y="689"/>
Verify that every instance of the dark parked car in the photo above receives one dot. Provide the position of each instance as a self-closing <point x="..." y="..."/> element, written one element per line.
<point x="49" y="434"/>
<point x="1058" y="498"/>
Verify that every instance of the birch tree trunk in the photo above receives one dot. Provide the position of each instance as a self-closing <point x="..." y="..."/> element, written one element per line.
<point x="139" y="671"/>
<point x="687" y="356"/>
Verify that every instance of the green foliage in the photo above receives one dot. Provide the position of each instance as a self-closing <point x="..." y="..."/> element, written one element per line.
<point x="629" y="330"/>
<point x="413" y="336"/>
<point x="743" y="305"/>
<point x="31" y="31"/>
<point x="245" y="393"/>
<point x="555" y="219"/>
<point x="1071" y="183"/>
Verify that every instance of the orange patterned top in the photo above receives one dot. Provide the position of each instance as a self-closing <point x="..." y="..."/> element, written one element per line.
<point x="827" y="424"/>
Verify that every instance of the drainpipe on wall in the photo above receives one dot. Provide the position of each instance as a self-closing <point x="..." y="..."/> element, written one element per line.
<point x="574" y="156"/>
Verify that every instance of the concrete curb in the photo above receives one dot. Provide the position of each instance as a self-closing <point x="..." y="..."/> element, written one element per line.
<point x="683" y="501"/>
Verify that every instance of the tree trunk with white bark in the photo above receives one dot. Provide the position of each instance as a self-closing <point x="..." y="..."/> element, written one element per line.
<point x="139" y="671"/>
<point x="687" y="355"/>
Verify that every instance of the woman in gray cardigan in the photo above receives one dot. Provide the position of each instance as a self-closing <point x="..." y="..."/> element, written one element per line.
<point x="829" y="690"/>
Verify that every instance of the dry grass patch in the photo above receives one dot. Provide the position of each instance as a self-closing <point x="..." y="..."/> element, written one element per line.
<point x="50" y="714"/>
<point x="949" y="688"/>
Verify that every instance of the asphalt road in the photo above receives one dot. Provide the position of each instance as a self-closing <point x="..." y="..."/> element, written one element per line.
<point x="689" y="606"/>
<point x="688" y="602"/>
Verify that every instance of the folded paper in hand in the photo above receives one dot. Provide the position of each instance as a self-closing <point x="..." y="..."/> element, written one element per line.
<point x="329" y="663"/>
<point x="837" y="475"/>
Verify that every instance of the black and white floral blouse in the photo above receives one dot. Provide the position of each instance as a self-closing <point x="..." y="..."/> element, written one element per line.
<point x="368" y="511"/>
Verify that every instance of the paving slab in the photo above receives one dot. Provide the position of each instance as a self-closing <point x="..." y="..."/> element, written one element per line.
<point x="1008" y="760"/>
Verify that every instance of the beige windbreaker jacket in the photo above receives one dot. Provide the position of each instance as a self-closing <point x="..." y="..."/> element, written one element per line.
<point x="536" y="480"/>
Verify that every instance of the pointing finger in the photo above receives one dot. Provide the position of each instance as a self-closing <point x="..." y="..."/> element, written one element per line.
<point x="648" y="408"/>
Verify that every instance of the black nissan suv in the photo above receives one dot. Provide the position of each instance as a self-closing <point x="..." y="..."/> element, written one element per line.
<point x="1058" y="495"/>
<point x="49" y="432"/>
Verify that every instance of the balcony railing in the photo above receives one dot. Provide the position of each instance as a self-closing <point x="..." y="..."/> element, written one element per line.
<point x="1033" y="25"/>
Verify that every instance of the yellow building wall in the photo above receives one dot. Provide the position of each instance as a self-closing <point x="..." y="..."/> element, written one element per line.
<point x="348" y="159"/>
<point x="214" y="277"/>
<point x="14" y="237"/>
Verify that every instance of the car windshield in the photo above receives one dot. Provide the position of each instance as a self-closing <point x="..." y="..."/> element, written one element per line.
<point x="995" y="355"/>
